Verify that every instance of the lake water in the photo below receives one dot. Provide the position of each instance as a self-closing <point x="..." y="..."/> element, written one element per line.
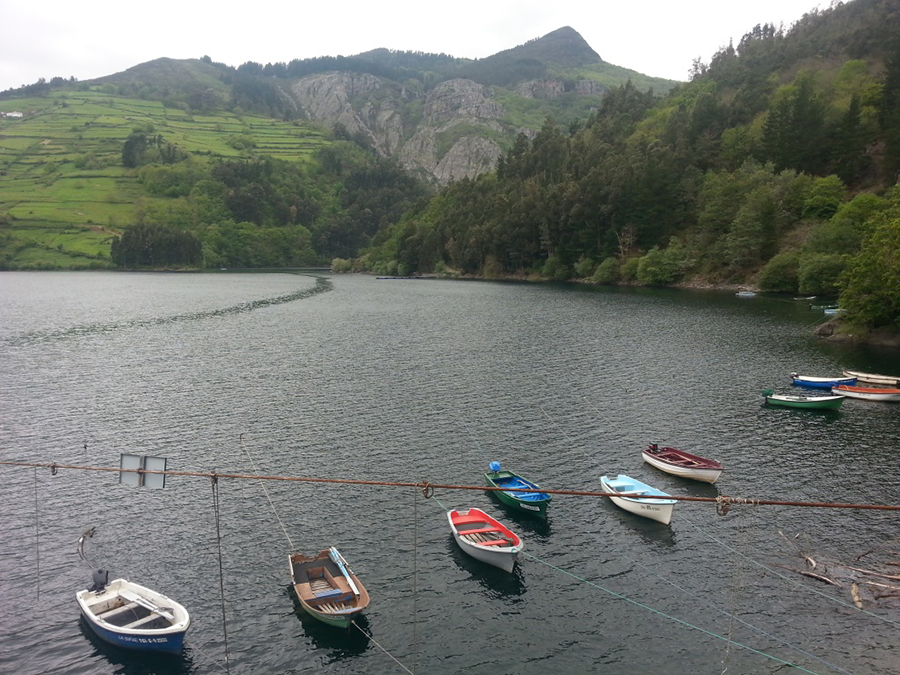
<point x="353" y="377"/>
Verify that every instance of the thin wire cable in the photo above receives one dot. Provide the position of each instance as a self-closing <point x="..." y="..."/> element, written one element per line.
<point x="728" y="614"/>
<point x="668" y="616"/>
<point x="794" y="581"/>
<point x="356" y="626"/>
<point x="263" y="485"/>
<point x="482" y="488"/>
<point x="215" y="490"/>
<point x="37" y="535"/>
<point x="415" y="577"/>
<point x="728" y="640"/>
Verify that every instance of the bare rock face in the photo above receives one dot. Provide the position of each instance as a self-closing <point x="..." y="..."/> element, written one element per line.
<point x="447" y="144"/>
<point x="551" y="89"/>
<point x="460" y="100"/>
<point x="452" y="138"/>
<point x="469" y="156"/>
<point x="328" y="98"/>
<point x="541" y="89"/>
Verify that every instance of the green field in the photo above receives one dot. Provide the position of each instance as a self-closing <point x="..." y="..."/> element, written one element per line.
<point x="62" y="183"/>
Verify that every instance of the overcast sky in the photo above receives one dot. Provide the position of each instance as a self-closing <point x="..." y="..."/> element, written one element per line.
<point x="92" y="38"/>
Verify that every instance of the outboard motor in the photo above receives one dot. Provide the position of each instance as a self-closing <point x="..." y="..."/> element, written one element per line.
<point x="100" y="579"/>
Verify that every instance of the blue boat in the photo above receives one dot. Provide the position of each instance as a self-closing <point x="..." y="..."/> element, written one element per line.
<point x="821" y="382"/>
<point x="131" y="616"/>
<point x="535" y="503"/>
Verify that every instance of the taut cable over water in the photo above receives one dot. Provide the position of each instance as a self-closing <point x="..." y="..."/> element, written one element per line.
<point x="719" y="501"/>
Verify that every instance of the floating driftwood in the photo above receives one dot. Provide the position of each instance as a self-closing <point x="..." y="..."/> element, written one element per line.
<point x="867" y="585"/>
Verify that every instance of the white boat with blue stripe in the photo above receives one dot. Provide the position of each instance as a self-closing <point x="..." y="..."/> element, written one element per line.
<point x="132" y="616"/>
<point x="631" y="496"/>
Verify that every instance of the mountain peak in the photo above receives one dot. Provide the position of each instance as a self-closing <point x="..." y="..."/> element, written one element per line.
<point x="562" y="47"/>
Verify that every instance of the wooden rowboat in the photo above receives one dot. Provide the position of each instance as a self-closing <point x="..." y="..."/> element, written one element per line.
<point x="632" y="497"/>
<point x="327" y="587"/>
<point x="535" y="503"/>
<point x="873" y="378"/>
<point x="132" y="616"/>
<point x="680" y="463"/>
<point x="803" y="402"/>
<point x="868" y="393"/>
<point x="820" y="382"/>
<point x="485" y="538"/>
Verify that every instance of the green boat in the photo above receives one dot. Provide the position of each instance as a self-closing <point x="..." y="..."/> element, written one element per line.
<point x="803" y="402"/>
<point x="534" y="503"/>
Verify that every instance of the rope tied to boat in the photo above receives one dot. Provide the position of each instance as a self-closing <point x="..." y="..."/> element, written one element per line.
<point x="427" y="489"/>
<point x="724" y="502"/>
<point x="53" y="469"/>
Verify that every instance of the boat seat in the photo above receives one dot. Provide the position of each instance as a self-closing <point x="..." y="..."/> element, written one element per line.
<point x="117" y="610"/>
<point x="140" y="622"/>
<point x="496" y="542"/>
<point x="464" y="520"/>
<point x="481" y="529"/>
<point x="330" y="593"/>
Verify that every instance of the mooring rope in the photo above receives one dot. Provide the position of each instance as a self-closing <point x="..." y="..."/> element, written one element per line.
<point x="215" y="491"/>
<point x="668" y="616"/>
<point x="415" y="578"/>
<point x="356" y="626"/>
<point x="37" y="535"/>
<point x="450" y="486"/>
<point x="727" y="639"/>
<point x="263" y="485"/>
<point x="722" y="504"/>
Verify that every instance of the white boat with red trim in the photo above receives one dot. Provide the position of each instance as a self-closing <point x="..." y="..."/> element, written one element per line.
<point x="485" y="538"/>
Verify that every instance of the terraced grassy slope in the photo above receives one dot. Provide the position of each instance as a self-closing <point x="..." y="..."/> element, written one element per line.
<point x="62" y="184"/>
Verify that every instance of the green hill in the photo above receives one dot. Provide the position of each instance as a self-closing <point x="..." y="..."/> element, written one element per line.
<point x="64" y="189"/>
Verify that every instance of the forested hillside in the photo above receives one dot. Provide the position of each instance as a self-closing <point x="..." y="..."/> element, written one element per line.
<point x="776" y="166"/>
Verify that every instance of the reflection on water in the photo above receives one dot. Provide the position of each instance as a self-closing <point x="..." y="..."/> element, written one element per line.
<point x="651" y="531"/>
<point x="495" y="583"/>
<point x="135" y="662"/>
<point x="341" y="642"/>
<point x="523" y="523"/>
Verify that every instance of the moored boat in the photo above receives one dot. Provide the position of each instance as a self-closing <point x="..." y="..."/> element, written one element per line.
<point x="327" y="588"/>
<point x="680" y="463"/>
<point x="632" y="497"/>
<point x="132" y="616"/>
<point x="803" y="402"/>
<point x="820" y="382"/>
<point x="512" y="494"/>
<point x="868" y="393"/>
<point x="873" y="378"/>
<point x="485" y="538"/>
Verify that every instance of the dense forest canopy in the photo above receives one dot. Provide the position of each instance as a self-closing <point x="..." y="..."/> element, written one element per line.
<point x="776" y="165"/>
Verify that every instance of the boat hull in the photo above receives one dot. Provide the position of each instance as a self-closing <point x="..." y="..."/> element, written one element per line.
<point x="659" y="510"/>
<point x="504" y="557"/>
<point x="336" y="620"/>
<point x="172" y="643"/>
<point x="104" y="612"/>
<point x="873" y="378"/>
<point x="806" y="402"/>
<point x="869" y="393"/>
<point x="532" y="503"/>
<point x="820" y="382"/>
<point x="698" y="472"/>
